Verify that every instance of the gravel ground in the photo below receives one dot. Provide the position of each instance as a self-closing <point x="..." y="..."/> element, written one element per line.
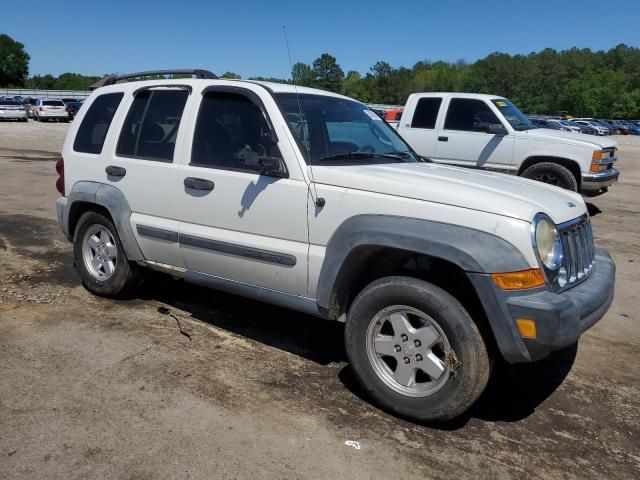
<point x="230" y="388"/>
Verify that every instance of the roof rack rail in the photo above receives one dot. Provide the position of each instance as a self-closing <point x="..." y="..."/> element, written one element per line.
<point x="197" y="73"/>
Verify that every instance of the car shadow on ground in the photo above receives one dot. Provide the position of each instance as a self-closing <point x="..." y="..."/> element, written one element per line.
<point x="593" y="209"/>
<point x="514" y="392"/>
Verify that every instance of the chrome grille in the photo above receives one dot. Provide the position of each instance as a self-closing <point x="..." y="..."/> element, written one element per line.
<point x="578" y="248"/>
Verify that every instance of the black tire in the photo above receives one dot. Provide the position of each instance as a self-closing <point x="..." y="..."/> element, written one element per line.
<point x="470" y="373"/>
<point x="125" y="274"/>
<point x="553" y="174"/>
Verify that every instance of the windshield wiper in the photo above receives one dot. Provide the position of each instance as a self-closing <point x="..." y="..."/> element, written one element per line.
<point x="359" y="155"/>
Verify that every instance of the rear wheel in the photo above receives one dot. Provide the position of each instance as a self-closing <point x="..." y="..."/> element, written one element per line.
<point x="415" y="349"/>
<point x="553" y="174"/>
<point x="100" y="258"/>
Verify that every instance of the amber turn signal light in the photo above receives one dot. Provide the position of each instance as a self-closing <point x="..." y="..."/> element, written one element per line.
<point x="526" y="327"/>
<point x="519" y="280"/>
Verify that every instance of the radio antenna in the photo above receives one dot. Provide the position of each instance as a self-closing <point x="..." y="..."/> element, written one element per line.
<point x="319" y="202"/>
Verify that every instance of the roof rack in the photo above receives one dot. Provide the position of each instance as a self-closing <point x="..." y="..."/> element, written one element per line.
<point x="197" y="73"/>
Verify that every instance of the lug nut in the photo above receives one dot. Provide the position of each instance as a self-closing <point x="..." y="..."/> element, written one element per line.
<point x="419" y="357"/>
<point x="417" y="343"/>
<point x="397" y="347"/>
<point x="406" y="360"/>
<point x="403" y="337"/>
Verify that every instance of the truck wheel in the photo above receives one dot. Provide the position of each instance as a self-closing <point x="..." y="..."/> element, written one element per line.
<point x="100" y="258"/>
<point x="415" y="349"/>
<point x="553" y="174"/>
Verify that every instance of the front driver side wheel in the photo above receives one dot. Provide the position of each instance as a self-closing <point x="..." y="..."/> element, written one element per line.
<point x="415" y="349"/>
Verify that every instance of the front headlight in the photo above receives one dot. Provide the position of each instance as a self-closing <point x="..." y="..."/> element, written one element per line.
<point x="546" y="242"/>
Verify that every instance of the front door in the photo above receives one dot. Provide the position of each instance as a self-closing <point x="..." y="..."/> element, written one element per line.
<point x="463" y="139"/>
<point x="237" y="224"/>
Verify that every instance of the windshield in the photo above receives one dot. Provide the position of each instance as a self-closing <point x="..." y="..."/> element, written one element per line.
<point x="518" y="120"/>
<point x="331" y="129"/>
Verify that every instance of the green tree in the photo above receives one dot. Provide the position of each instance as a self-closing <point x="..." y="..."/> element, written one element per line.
<point x="328" y="73"/>
<point x="302" y="74"/>
<point x="231" y="75"/>
<point x="14" y="62"/>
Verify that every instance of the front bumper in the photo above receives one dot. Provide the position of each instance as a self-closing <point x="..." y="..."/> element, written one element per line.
<point x="598" y="181"/>
<point x="560" y="318"/>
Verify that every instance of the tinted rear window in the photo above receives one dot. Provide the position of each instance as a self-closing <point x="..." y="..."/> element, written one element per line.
<point x="9" y="102"/>
<point x="151" y="127"/>
<point x="53" y="103"/>
<point x="95" y="124"/>
<point x="426" y="113"/>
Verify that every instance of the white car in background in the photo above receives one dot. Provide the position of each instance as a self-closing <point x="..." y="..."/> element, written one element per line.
<point x="601" y="130"/>
<point x="564" y="125"/>
<point x="12" y="110"/>
<point x="49" y="109"/>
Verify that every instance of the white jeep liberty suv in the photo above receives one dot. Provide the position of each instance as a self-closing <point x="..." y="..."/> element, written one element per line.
<point x="308" y="200"/>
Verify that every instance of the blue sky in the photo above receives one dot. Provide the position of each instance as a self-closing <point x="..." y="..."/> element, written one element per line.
<point x="246" y="37"/>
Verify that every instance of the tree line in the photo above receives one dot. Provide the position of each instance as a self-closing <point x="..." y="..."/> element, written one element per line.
<point x="582" y="82"/>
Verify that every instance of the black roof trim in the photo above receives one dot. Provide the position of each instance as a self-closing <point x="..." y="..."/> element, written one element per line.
<point x="197" y="73"/>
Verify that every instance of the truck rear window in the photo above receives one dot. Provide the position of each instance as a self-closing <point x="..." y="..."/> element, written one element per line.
<point x="95" y="124"/>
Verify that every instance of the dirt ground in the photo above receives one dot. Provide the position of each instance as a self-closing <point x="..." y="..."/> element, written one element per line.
<point x="230" y="388"/>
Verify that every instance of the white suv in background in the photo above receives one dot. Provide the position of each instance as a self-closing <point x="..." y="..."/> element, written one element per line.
<point x="309" y="200"/>
<point x="50" y="109"/>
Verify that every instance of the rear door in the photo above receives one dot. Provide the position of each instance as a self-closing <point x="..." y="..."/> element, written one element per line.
<point x="142" y="166"/>
<point x="462" y="139"/>
<point x="418" y="128"/>
<point x="236" y="223"/>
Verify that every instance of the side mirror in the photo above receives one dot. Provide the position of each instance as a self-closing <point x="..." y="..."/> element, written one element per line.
<point x="495" y="129"/>
<point x="272" y="167"/>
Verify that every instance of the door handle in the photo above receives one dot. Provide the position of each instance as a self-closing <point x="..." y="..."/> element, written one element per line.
<point x="114" y="171"/>
<point x="198" y="184"/>
<point x="443" y="139"/>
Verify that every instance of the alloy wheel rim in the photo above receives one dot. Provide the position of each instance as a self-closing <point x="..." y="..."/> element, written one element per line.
<point x="99" y="252"/>
<point x="408" y="351"/>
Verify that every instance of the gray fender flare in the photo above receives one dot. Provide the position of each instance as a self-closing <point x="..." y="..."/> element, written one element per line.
<point x="471" y="250"/>
<point x="114" y="201"/>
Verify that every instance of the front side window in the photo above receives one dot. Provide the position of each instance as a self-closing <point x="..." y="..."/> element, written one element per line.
<point x="426" y="113"/>
<point x="95" y="124"/>
<point x="231" y="133"/>
<point x="469" y="115"/>
<point x="333" y="129"/>
<point x="518" y="120"/>
<point x="151" y="127"/>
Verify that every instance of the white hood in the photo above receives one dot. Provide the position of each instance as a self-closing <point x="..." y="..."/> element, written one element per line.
<point x="571" y="138"/>
<point x="495" y="193"/>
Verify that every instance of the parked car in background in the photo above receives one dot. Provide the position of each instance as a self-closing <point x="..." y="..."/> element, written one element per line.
<point x="48" y="109"/>
<point x="11" y="109"/>
<point x="592" y="124"/>
<point x="489" y="132"/>
<point x="72" y="109"/>
<point x="632" y="128"/>
<point x="392" y="117"/>
<point x="29" y="106"/>
<point x="555" y="125"/>
<point x="570" y="126"/>
<point x="620" y="125"/>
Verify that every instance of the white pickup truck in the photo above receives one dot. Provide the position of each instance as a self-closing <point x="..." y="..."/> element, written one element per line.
<point x="489" y="132"/>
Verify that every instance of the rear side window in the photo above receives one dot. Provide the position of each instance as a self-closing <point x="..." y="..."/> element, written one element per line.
<point x="150" y="129"/>
<point x="469" y="115"/>
<point x="95" y="124"/>
<point x="426" y="113"/>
